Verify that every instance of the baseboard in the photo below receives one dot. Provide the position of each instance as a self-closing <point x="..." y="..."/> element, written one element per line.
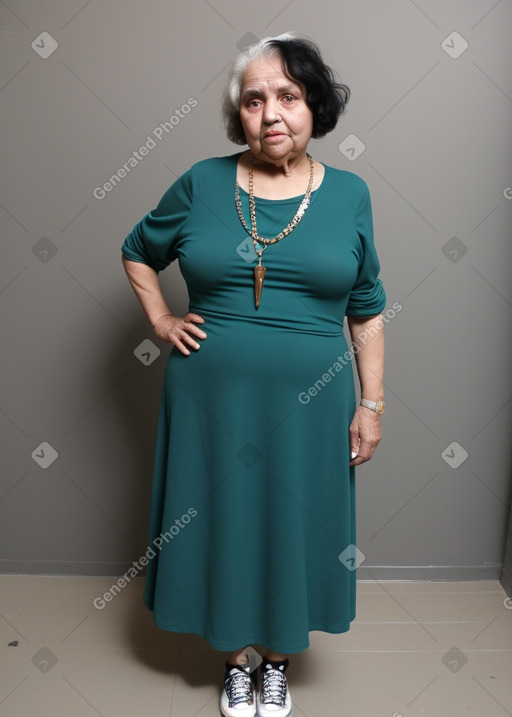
<point x="506" y="582"/>
<point x="453" y="573"/>
<point x="364" y="572"/>
<point x="65" y="567"/>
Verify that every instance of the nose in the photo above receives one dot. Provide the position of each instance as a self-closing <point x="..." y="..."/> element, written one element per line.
<point x="271" y="111"/>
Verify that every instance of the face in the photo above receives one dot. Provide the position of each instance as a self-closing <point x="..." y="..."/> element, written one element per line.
<point x="276" y="119"/>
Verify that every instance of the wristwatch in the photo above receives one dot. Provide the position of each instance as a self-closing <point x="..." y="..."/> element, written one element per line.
<point x="378" y="406"/>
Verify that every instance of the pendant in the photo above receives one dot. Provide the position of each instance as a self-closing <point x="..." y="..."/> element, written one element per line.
<point x="259" y="276"/>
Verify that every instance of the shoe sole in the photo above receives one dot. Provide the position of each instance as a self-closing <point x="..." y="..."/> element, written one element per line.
<point x="272" y="713"/>
<point x="242" y="713"/>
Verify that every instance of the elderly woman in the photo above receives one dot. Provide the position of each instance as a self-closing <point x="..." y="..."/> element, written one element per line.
<point x="253" y="511"/>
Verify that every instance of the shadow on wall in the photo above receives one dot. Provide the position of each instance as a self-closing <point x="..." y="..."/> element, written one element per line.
<point x="136" y="400"/>
<point x="108" y="455"/>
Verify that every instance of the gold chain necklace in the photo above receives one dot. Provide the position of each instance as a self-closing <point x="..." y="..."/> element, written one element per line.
<point x="259" y="270"/>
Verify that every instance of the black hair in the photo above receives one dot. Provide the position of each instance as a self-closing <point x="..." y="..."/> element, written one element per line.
<point x="303" y="63"/>
<point x="325" y="97"/>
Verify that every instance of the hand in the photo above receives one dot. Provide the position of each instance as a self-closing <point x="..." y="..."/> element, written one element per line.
<point x="180" y="331"/>
<point x="365" y="434"/>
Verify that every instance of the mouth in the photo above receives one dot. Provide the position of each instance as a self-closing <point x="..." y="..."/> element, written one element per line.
<point x="273" y="133"/>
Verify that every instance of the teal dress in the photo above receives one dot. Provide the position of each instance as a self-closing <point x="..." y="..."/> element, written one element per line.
<point x="252" y="528"/>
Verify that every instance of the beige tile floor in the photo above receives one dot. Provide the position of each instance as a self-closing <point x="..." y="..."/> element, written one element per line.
<point x="439" y="649"/>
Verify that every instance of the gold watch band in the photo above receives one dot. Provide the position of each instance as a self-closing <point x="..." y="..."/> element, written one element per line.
<point x="377" y="406"/>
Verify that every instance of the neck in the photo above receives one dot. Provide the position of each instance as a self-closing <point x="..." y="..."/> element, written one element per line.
<point x="289" y="167"/>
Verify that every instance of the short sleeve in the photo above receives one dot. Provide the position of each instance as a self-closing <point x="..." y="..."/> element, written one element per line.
<point x="367" y="297"/>
<point x="152" y="241"/>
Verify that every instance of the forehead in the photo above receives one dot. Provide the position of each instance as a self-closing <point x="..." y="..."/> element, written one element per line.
<point x="266" y="72"/>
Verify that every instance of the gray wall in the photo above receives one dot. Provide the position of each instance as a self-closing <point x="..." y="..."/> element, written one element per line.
<point x="436" y="129"/>
<point x="506" y="573"/>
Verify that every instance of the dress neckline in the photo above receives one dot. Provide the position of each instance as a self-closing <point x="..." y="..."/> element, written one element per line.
<point x="288" y="200"/>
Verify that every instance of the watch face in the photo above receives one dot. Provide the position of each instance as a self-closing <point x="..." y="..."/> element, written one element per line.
<point x="380" y="407"/>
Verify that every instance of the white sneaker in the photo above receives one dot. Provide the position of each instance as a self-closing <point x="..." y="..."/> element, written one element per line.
<point x="237" y="697"/>
<point x="273" y="696"/>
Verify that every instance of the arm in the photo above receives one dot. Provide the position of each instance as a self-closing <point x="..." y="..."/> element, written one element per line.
<point x="365" y="430"/>
<point x="167" y="327"/>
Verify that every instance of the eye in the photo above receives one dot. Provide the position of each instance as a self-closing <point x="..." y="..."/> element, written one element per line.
<point x="253" y="103"/>
<point x="288" y="98"/>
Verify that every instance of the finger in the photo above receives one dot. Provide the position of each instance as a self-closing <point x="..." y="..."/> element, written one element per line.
<point x="358" y="461"/>
<point x="354" y="439"/>
<point x="185" y="338"/>
<point x="362" y="455"/>
<point x="181" y="347"/>
<point x="193" y="329"/>
<point x="194" y="317"/>
<point x="366" y="450"/>
<point x="361" y="458"/>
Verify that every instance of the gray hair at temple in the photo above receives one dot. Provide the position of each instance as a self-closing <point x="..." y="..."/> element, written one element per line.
<point x="302" y="63"/>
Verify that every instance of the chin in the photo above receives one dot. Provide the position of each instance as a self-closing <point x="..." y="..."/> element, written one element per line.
<point x="278" y="152"/>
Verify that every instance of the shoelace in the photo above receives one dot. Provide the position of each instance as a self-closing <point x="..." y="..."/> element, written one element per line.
<point x="239" y="688"/>
<point x="274" y="687"/>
